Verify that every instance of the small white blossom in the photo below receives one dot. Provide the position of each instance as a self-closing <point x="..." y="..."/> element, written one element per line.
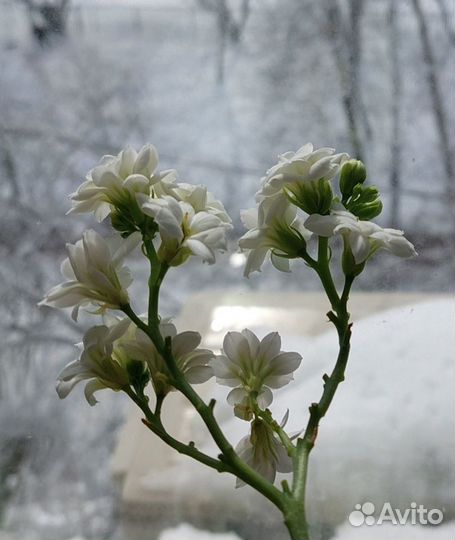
<point x="201" y="200"/>
<point x="95" y="272"/>
<point x="364" y="237"/>
<point x="304" y="165"/>
<point x="98" y="363"/>
<point x="263" y="451"/>
<point x="185" y="231"/>
<point x="114" y="182"/>
<point x="253" y="367"/>
<point x="193" y="362"/>
<point x="279" y="230"/>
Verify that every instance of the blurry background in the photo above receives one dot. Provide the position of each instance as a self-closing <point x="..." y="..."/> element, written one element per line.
<point x="221" y="87"/>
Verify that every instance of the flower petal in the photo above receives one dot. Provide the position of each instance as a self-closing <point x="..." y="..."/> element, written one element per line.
<point x="270" y="345"/>
<point x="198" y="374"/>
<point x="90" y="388"/>
<point x="236" y="347"/>
<point x="185" y="342"/>
<point x="265" y="398"/>
<point x="236" y="396"/>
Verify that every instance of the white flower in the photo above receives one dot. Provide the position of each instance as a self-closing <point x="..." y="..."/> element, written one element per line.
<point x="253" y="367"/>
<point x="193" y="362"/>
<point x="363" y="237"/>
<point x="263" y="451"/>
<point x="98" y="363"/>
<point x="184" y="231"/>
<point x="114" y="182"/>
<point x="95" y="272"/>
<point x="304" y="165"/>
<point x="201" y="200"/>
<point x="277" y="230"/>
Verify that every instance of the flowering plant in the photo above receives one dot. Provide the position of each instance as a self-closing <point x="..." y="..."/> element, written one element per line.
<point x="301" y="208"/>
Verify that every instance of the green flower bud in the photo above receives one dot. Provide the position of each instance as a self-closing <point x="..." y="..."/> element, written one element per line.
<point x="364" y="202"/>
<point x="352" y="173"/>
<point x="369" y="211"/>
<point x="313" y="197"/>
<point x="366" y="194"/>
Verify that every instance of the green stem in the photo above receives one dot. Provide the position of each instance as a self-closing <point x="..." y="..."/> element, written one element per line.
<point x="323" y="270"/>
<point x="340" y="318"/>
<point x="317" y="412"/>
<point x="158" y="405"/>
<point x="157" y="272"/>
<point x="228" y="455"/>
<point x="153" y="422"/>
<point x="295" y="519"/>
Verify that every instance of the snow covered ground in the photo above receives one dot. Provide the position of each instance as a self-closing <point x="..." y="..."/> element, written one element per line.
<point x="385" y="532"/>
<point x="187" y="532"/>
<point x="388" y="437"/>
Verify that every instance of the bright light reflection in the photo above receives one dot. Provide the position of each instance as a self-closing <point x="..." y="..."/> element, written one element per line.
<point x="238" y="317"/>
<point x="236" y="260"/>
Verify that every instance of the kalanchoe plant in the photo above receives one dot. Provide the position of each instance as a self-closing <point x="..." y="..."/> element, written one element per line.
<point x="300" y="197"/>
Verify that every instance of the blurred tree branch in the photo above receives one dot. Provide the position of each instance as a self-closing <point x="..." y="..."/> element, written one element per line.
<point x="345" y="35"/>
<point x="395" y="136"/>
<point x="447" y="20"/>
<point x="47" y="18"/>
<point x="436" y="95"/>
<point x="229" y="27"/>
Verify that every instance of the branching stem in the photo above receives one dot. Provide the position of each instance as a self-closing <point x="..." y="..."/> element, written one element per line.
<point x="291" y="500"/>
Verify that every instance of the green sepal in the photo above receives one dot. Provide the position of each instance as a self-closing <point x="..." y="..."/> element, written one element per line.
<point x="127" y="218"/>
<point x="138" y="374"/>
<point x="312" y="197"/>
<point x="289" y="242"/>
<point x="350" y="267"/>
<point x="122" y="223"/>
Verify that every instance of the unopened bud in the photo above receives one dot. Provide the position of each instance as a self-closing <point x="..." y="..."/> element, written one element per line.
<point x="369" y="211"/>
<point x="352" y="173"/>
<point x="365" y="202"/>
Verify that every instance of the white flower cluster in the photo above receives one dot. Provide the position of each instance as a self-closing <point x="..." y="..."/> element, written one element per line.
<point x="116" y="180"/>
<point x="277" y="226"/>
<point x="109" y="351"/>
<point x="304" y="165"/>
<point x="194" y="363"/>
<point x="95" y="273"/>
<point x="364" y="237"/>
<point x="141" y="202"/>
<point x="281" y="226"/>
<point x="128" y="187"/>
<point x="190" y="221"/>
<point x="252" y="368"/>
